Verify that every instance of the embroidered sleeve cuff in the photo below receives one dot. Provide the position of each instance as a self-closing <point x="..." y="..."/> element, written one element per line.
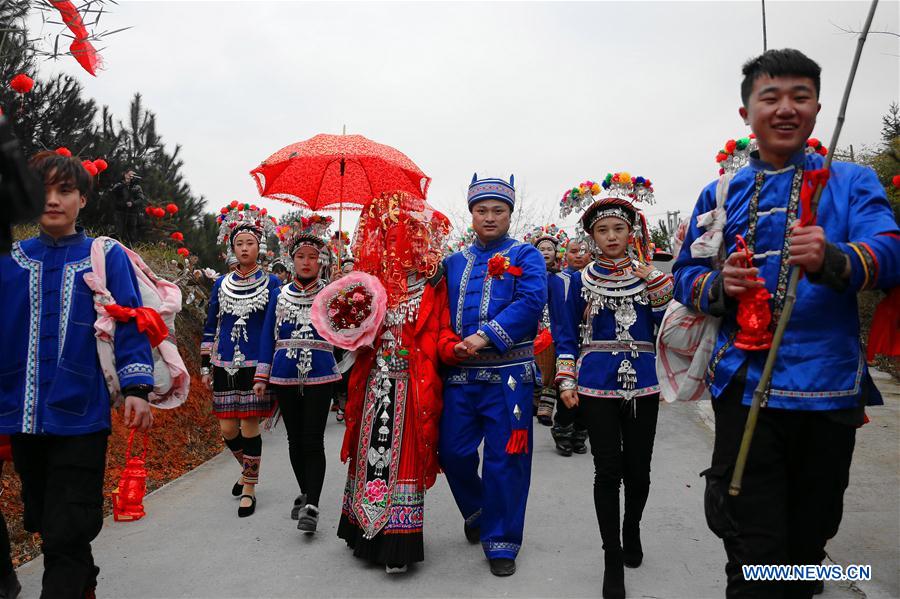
<point x="135" y="374"/>
<point x="565" y="368"/>
<point x="500" y="338"/>
<point x="863" y="265"/>
<point x="206" y="348"/>
<point x="720" y="303"/>
<point x="263" y="371"/>
<point x="660" y="291"/>
<point x="833" y="267"/>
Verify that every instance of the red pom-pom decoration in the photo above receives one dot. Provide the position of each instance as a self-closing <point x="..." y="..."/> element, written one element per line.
<point x="21" y="83"/>
<point x="177" y="236"/>
<point x="233" y="204"/>
<point x="730" y="145"/>
<point x="101" y="165"/>
<point x="64" y="151"/>
<point x="896" y="181"/>
<point x="184" y="252"/>
<point x="171" y="208"/>
<point x="148" y="210"/>
<point x="159" y="212"/>
<point x="90" y="167"/>
<point x="721" y="157"/>
<point x="224" y="210"/>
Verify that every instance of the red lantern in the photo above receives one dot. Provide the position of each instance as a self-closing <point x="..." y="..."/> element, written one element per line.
<point x="101" y="165"/>
<point x="64" y="151"/>
<point x="171" y="208"/>
<point x="184" y="252"/>
<point x="128" y="497"/>
<point x="90" y="167"/>
<point x="177" y="236"/>
<point x="754" y="315"/>
<point x="21" y="83"/>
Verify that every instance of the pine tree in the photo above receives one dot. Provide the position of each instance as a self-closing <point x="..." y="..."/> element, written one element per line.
<point x="890" y="129"/>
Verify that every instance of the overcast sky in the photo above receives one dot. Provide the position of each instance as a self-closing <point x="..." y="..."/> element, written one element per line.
<point x="553" y="92"/>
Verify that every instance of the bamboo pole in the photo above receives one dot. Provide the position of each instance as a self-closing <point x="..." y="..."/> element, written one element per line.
<point x="759" y="395"/>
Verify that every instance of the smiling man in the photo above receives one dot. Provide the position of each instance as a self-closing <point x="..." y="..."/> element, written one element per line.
<point x="497" y="289"/>
<point x="53" y="397"/>
<point x="798" y="468"/>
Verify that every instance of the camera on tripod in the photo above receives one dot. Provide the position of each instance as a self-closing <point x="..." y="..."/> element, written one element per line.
<point x="21" y="192"/>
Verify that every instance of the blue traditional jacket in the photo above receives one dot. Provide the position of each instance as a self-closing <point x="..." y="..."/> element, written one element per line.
<point x="507" y="308"/>
<point x="51" y="381"/>
<point x="234" y="323"/>
<point x="820" y="364"/>
<point x="605" y="321"/>
<point x="291" y="351"/>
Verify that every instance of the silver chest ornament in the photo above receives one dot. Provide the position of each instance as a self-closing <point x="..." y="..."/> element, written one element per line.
<point x="294" y="308"/>
<point x="240" y="298"/>
<point x="619" y="294"/>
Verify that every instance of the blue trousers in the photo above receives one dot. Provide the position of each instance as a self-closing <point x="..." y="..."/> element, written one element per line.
<point x="495" y="501"/>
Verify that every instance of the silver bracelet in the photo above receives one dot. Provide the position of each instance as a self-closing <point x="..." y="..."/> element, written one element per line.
<point x="567" y="385"/>
<point x="204" y="371"/>
<point x="484" y="336"/>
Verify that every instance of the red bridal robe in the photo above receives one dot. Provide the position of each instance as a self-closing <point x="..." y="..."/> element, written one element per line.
<point x="392" y="417"/>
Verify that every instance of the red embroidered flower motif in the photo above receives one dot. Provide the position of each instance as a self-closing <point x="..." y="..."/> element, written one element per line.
<point x="499" y="264"/>
<point x="375" y="491"/>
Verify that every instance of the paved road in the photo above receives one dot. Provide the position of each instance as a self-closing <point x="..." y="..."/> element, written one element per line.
<point x="192" y="544"/>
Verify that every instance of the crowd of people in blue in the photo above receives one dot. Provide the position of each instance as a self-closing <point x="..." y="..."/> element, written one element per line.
<point x="458" y="357"/>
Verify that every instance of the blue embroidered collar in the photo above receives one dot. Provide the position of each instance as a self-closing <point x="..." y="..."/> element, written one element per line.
<point x="796" y="159"/>
<point x="68" y="240"/>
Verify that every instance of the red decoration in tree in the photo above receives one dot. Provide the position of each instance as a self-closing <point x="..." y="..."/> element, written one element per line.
<point x="64" y="151"/>
<point x="184" y="252"/>
<point x="177" y="236"/>
<point x="21" y="83"/>
<point x="90" y="167"/>
<point x="896" y="181"/>
<point x="101" y="165"/>
<point x="81" y="48"/>
<point x="171" y="208"/>
<point x="148" y="210"/>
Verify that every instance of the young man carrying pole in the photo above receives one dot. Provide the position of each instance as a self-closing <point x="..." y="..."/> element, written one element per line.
<point x="799" y="462"/>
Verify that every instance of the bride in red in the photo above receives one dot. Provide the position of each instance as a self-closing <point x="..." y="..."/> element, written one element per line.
<point x="394" y="402"/>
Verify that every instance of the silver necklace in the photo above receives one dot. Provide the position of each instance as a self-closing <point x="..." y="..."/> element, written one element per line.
<point x="294" y="307"/>
<point x="240" y="298"/>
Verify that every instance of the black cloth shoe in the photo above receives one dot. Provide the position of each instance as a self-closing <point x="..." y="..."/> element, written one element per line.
<point x="299" y="504"/>
<point x="243" y="512"/>
<point x="473" y="533"/>
<point x="632" y="552"/>
<point x="238" y="488"/>
<point x="9" y="586"/>
<point x="503" y="566"/>
<point x="613" y="575"/>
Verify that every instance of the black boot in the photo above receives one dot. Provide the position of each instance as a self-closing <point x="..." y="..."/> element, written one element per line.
<point x="579" y="438"/>
<point x="562" y="436"/>
<point x="613" y="575"/>
<point x="633" y="553"/>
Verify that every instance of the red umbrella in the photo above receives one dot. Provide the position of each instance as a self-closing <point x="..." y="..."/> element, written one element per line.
<point x="337" y="171"/>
